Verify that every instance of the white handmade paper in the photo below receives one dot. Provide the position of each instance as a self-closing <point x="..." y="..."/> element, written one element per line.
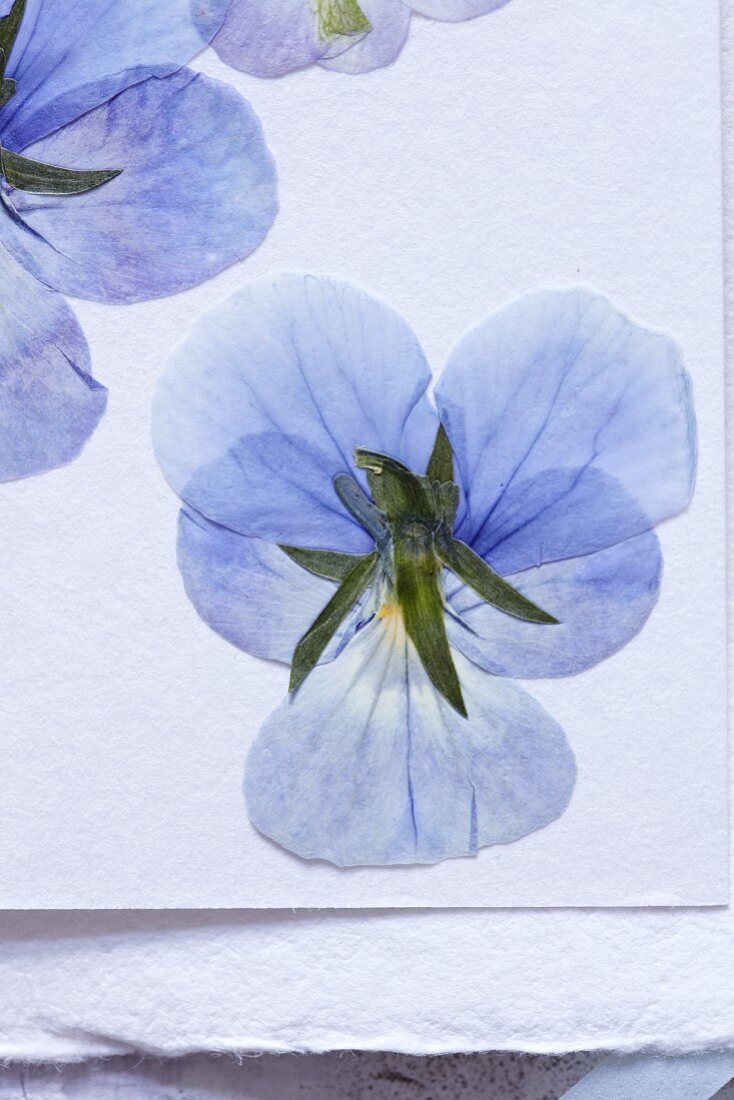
<point x="542" y="145"/>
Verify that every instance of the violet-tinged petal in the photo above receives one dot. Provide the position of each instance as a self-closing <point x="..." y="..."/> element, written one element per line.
<point x="367" y="765"/>
<point x="272" y="37"/>
<point x="557" y="383"/>
<point x="601" y="601"/>
<point x="197" y="192"/>
<point x="454" y="11"/>
<point x="72" y="55"/>
<point x="49" y="402"/>
<point x="248" y="590"/>
<point x="263" y="403"/>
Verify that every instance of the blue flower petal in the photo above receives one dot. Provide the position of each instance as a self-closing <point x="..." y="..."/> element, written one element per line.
<point x="558" y="383"/>
<point x="272" y="37"/>
<point x="366" y="764"/>
<point x="390" y="21"/>
<point x="75" y="55"/>
<point x="247" y="590"/>
<point x="454" y="11"/>
<point x="601" y="601"/>
<point x="263" y="403"/>
<point x="196" y="193"/>
<point x="49" y="402"/>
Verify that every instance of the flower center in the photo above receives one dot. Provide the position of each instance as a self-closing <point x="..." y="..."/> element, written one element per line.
<point x="411" y="519"/>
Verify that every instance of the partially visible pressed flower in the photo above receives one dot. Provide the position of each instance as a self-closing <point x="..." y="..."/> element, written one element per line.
<point x="407" y="557"/>
<point x="271" y="37"/>
<point x="123" y="176"/>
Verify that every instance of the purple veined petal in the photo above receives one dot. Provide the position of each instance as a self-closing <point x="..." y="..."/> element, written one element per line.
<point x="367" y="765"/>
<point x="601" y="601"/>
<point x="249" y="591"/>
<point x="197" y="192"/>
<point x="560" y="385"/>
<point x="49" y="402"/>
<point x="263" y="403"/>
<point x="390" y="21"/>
<point x="272" y="37"/>
<point x="454" y="11"/>
<point x="72" y="55"/>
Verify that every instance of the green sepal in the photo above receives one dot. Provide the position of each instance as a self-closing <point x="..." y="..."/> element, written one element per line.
<point x="441" y="462"/>
<point x="420" y="598"/>
<point x="330" y="564"/>
<point x="359" y="505"/>
<point x="322" y="630"/>
<point x="9" y="27"/>
<point x="494" y="589"/>
<point x="7" y="91"/>
<point x="337" y="17"/>
<point x="397" y="491"/>
<point x="49" y="179"/>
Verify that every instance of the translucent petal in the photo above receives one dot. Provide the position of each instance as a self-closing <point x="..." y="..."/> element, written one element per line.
<point x="367" y="765"/>
<point x="196" y="193"/>
<point x="263" y="403"/>
<point x="558" y="387"/>
<point x="49" y="402"/>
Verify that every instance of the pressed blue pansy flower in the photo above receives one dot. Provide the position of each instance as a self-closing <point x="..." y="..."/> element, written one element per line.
<point x="408" y="555"/>
<point x="123" y="176"/>
<point x="271" y="37"/>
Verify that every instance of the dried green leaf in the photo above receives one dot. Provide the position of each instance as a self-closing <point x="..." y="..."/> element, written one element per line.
<point x="9" y="27"/>
<point x="337" y="17"/>
<point x="359" y="505"/>
<point x="49" y="179"/>
<point x="494" y="589"/>
<point x="419" y="595"/>
<point x="7" y="91"/>
<point x="322" y="630"/>
<point x="397" y="491"/>
<point x="441" y="462"/>
<point x="330" y="564"/>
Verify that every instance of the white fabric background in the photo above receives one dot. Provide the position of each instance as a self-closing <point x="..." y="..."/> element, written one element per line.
<point x="420" y="981"/>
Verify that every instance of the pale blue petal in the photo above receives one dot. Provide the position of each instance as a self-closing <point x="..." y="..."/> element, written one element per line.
<point x="49" y="402"/>
<point x="367" y="765"/>
<point x="454" y="11"/>
<point x="390" y="21"/>
<point x="556" y="384"/>
<point x="272" y="37"/>
<point x="248" y="590"/>
<point x="196" y="193"/>
<point x="601" y="601"/>
<point x="263" y="403"/>
<point x="72" y="55"/>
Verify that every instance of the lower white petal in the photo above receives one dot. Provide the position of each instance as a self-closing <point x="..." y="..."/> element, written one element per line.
<point x="367" y="765"/>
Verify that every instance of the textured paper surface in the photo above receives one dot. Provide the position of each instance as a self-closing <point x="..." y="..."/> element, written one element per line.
<point x="570" y="149"/>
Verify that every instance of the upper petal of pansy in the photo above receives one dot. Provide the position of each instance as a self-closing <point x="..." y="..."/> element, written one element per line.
<point x="72" y="55"/>
<point x="600" y="600"/>
<point x="263" y="403"/>
<point x="272" y="37"/>
<point x="49" y="402"/>
<point x="196" y="193"/>
<point x="390" y="22"/>
<point x="454" y="11"/>
<point x="558" y="383"/>
<point x="366" y="764"/>
<point x="248" y="590"/>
